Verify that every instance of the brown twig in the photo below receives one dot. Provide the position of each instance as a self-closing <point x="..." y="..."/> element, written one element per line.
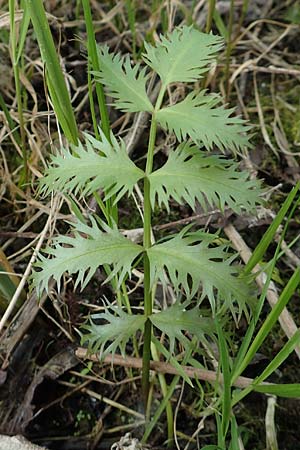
<point x="162" y="367"/>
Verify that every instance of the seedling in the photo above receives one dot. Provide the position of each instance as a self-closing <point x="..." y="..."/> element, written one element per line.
<point x="196" y="264"/>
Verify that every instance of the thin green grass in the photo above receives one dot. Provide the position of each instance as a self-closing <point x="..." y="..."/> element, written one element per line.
<point x="94" y="64"/>
<point x="131" y="13"/>
<point x="54" y="76"/>
<point x="15" y="56"/>
<point x="210" y="15"/>
<point x="268" y="324"/>
<point x="260" y="250"/>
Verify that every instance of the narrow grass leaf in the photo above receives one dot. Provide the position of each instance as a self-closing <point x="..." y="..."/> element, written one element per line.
<point x="131" y="13"/>
<point x="275" y="363"/>
<point x="264" y="241"/>
<point x="268" y="237"/>
<point x="225" y="369"/>
<point x="211" y="447"/>
<point x="281" y="390"/>
<point x="280" y="357"/>
<point x="23" y="32"/>
<point x="11" y="123"/>
<point x="265" y="329"/>
<point x="61" y="100"/>
<point x="220" y="25"/>
<point x="234" y="443"/>
<point x="95" y="64"/>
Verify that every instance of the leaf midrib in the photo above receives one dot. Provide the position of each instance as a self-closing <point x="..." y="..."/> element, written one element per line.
<point x="169" y="78"/>
<point x="97" y="250"/>
<point x="122" y="80"/>
<point x="195" y="262"/>
<point x="86" y="172"/>
<point x="189" y="176"/>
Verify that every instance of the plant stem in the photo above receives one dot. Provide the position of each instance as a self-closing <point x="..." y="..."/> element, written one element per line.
<point x="147" y="244"/>
<point x="243" y="14"/>
<point x="147" y="291"/>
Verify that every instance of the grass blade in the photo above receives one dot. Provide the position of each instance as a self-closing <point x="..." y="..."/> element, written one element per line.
<point x="281" y="390"/>
<point x="56" y="82"/>
<point x="280" y="357"/>
<point x="11" y="123"/>
<point x="274" y="364"/>
<point x="23" y="32"/>
<point x="95" y="66"/>
<point x="226" y="394"/>
<point x="285" y="296"/>
<point x="13" y="47"/>
<point x="164" y="402"/>
<point x="262" y="247"/>
<point x="266" y="238"/>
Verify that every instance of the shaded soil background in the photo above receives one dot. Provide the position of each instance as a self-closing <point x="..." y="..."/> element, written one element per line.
<point x="47" y="393"/>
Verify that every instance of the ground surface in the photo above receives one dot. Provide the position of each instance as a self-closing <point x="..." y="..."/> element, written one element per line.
<point x="49" y="394"/>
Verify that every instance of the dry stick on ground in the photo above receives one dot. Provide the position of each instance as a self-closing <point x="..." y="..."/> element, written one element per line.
<point x="28" y="313"/>
<point x="162" y="367"/>
<point x="19" y="289"/>
<point x="285" y="319"/>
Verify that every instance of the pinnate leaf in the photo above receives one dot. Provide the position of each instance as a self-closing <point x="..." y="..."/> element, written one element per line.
<point x="97" y="164"/>
<point x="191" y="263"/>
<point x="126" y="84"/>
<point x="189" y="175"/>
<point x="175" y="319"/>
<point x="198" y="117"/>
<point x="116" y="332"/>
<point x="183" y="55"/>
<point x="84" y="254"/>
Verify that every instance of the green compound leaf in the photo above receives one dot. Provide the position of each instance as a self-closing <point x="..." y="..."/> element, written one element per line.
<point x="94" y="165"/>
<point x="120" y="327"/>
<point x="189" y="175"/>
<point x="84" y="254"/>
<point x="198" y="117"/>
<point x="176" y="319"/>
<point x="191" y="264"/>
<point x="126" y="84"/>
<point x="183" y="55"/>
